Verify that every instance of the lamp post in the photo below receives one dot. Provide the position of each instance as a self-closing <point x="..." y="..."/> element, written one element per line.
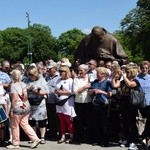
<point x="29" y="41"/>
<point x="27" y="15"/>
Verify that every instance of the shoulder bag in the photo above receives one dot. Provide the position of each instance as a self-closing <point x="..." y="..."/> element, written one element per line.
<point x="22" y="106"/>
<point x="100" y="99"/>
<point x="62" y="102"/>
<point x="137" y="97"/>
<point x="36" y="100"/>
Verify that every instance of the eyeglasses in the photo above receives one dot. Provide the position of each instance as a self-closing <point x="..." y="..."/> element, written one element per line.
<point x="90" y="64"/>
<point x="144" y="67"/>
<point x="31" y="74"/>
<point x="62" y="71"/>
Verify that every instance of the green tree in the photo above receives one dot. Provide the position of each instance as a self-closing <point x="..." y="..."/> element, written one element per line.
<point x="136" y="31"/>
<point x="1" y="46"/>
<point x="14" y="44"/>
<point x="18" y="44"/>
<point x="67" y="43"/>
<point x="119" y="36"/>
<point x="42" y="42"/>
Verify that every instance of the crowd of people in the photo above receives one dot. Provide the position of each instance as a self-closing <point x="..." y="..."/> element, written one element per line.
<point x="74" y="103"/>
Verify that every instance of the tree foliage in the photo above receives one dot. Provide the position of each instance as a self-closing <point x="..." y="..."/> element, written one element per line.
<point x="136" y="31"/>
<point x="68" y="42"/>
<point x="35" y="42"/>
<point x="42" y="42"/>
<point x="13" y="44"/>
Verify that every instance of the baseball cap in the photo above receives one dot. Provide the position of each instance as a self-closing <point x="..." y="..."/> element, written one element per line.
<point x="52" y="64"/>
<point x="33" y="64"/>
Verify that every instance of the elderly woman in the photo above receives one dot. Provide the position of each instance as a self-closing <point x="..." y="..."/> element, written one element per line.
<point x="66" y="112"/>
<point x="17" y="117"/>
<point x="144" y="79"/>
<point x="83" y="105"/>
<point x="101" y="87"/>
<point x="37" y="89"/>
<point x="127" y="111"/>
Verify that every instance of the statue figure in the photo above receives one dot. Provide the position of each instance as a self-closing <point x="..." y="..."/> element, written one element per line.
<point x="100" y="45"/>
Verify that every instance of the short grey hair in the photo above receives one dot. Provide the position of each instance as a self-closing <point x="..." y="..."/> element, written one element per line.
<point x="83" y="66"/>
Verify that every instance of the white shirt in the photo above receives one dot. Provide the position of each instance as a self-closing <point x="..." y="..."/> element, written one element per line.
<point x="68" y="107"/>
<point x="83" y="97"/>
<point x="92" y="75"/>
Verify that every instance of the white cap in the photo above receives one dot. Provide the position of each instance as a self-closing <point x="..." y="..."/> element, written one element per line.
<point x="52" y="64"/>
<point x="22" y="65"/>
<point x="33" y="64"/>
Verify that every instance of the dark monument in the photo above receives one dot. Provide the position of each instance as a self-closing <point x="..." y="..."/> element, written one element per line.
<point x="100" y="45"/>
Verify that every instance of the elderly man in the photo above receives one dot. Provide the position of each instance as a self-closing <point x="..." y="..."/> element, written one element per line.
<point x="100" y="45"/>
<point x="53" y="122"/>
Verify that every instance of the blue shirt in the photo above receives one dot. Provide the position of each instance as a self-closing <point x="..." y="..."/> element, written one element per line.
<point x="4" y="77"/>
<point x="104" y="85"/>
<point x="145" y="84"/>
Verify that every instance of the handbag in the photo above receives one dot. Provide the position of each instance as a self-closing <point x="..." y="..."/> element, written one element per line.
<point x="140" y="122"/>
<point x="62" y="102"/>
<point x="21" y="107"/>
<point x="36" y="100"/>
<point x="100" y="99"/>
<point x="3" y="116"/>
<point x="137" y="97"/>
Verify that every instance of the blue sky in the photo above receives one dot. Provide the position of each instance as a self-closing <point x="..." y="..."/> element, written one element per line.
<point x="64" y="15"/>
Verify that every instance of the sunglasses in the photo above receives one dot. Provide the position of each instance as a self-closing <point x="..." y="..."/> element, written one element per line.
<point x="144" y="67"/>
<point x="62" y="71"/>
<point x="31" y="74"/>
<point x="90" y="64"/>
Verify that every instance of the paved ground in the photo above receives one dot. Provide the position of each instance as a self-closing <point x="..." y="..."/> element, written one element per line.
<point x="52" y="145"/>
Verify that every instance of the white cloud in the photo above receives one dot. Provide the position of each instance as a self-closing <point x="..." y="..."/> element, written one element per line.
<point x="86" y="31"/>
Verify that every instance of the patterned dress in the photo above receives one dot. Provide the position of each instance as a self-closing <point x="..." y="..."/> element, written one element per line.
<point x="38" y="112"/>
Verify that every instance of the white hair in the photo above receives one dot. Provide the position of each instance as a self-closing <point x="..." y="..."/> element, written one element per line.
<point x="83" y="66"/>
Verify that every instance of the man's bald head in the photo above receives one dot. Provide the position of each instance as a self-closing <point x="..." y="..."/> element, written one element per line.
<point x="97" y="30"/>
<point x="97" y="34"/>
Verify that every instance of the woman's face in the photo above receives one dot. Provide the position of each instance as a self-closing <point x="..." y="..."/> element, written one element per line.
<point x="123" y="70"/>
<point x="144" y="69"/>
<point x="101" y="76"/>
<point x="117" y="76"/>
<point x="32" y="77"/>
<point x="82" y="72"/>
<point x="128" y="73"/>
<point x="62" y="74"/>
